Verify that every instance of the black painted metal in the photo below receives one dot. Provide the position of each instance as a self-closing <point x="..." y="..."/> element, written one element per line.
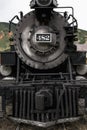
<point x="8" y="58"/>
<point x="65" y="105"/>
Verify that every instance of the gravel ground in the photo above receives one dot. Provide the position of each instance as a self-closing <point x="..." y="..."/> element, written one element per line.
<point x="5" y="124"/>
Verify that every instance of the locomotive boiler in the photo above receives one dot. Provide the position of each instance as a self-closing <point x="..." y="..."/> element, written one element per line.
<point x="42" y="76"/>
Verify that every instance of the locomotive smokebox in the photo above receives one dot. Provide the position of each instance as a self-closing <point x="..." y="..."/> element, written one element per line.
<point x="42" y="40"/>
<point x="43" y="99"/>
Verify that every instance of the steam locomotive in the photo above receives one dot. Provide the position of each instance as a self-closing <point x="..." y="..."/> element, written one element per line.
<point x="42" y="76"/>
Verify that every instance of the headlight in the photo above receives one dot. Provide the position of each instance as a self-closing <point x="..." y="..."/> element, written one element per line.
<point x="5" y="70"/>
<point x="44" y="2"/>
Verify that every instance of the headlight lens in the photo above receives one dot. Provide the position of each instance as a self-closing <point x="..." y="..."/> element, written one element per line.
<point x="43" y="2"/>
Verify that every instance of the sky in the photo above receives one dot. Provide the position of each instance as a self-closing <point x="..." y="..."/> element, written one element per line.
<point x="12" y="7"/>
